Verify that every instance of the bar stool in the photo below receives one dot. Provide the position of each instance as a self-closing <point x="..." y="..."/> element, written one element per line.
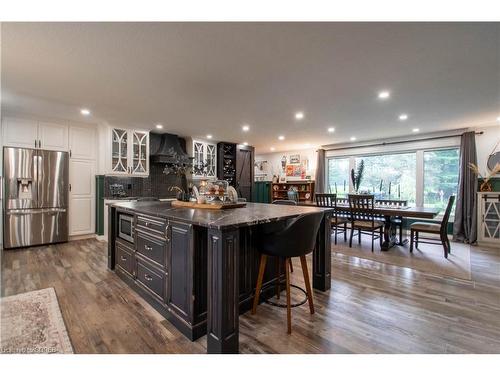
<point x="297" y="239"/>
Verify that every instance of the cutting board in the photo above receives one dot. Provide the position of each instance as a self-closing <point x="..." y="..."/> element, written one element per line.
<point x="207" y="206"/>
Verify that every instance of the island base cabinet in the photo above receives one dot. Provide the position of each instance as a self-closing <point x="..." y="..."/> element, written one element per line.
<point x="171" y="274"/>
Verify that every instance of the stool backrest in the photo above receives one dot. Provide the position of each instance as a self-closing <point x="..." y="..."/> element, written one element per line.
<point x="361" y="206"/>
<point x="297" y="238"/>
<point x="285" y="202"/>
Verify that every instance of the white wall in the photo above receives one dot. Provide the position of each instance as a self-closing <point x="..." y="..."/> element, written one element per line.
<point x="274" y="162"/>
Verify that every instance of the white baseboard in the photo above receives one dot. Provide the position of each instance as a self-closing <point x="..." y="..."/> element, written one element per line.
<point x="82" y="237"/>
<point x="102" y="238"/>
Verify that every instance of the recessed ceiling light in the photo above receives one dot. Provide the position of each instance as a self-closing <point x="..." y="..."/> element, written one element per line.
<point x="353" y="138"/>
<point x="403" y="117"/>
<point x="299" y="115"/>
<point x="245" y="128"/>
<point x="272" y="149"/>
<point x="209" y="136"/>
<point x="85" y="111"/>
<point x="281" y="137"/>
<point x="331" y="130"/>
<point x="384" y="95"/>
<point x="159" y="126"/>
<point x="245" y="143"/>
<point x="415" y="130"/>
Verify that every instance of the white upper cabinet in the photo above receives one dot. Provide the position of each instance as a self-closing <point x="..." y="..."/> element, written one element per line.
<point x="129" y="152"/>
<point x="20" y="132"/>
<point x="82" y="142"/>
<point x="140" y="153"/>
<point x="205" y="159"/>
<point x="53" y="136"/>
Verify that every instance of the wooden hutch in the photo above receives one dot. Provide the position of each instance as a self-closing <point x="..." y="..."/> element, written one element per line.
<point x="305" y="188"/>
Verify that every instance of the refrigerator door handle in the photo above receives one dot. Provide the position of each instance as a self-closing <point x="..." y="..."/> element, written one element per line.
<point x="39" y="178"/>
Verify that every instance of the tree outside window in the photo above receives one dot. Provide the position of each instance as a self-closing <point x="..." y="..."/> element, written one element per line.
<point x="440" y="177"/>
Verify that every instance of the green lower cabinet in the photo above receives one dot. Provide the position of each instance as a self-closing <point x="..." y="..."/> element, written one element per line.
<point x="99" y="205"/>
<point x="262" y="192"/>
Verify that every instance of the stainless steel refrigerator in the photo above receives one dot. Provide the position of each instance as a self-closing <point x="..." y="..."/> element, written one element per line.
<point x="35" y="197"/>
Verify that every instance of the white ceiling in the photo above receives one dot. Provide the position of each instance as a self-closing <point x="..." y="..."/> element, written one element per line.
<point x="200" y="78"/>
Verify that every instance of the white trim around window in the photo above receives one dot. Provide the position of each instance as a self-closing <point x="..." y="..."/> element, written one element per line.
<point x="418" y="146"/>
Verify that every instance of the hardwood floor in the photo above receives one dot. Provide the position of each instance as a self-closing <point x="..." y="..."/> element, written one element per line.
<point x="371" y="308"/>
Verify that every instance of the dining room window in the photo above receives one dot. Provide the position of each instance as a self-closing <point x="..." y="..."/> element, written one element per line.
<point x="424" y="176"/>
<point x="389" y="176"/>
<point x="338" y="176"/>
<point x="441" y="168"/>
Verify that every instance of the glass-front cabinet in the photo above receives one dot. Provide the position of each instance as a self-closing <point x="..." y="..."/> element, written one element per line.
<point x="488" y="218"/>
<point x="205" y="159"/>
<point x="129" y="152"/>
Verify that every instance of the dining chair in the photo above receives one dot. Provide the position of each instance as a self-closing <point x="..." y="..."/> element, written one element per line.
<point x="363" y="217"/>
<point x="433" y="228"/>
<point x="398" y="221"/>
<point x="297" y="239"/>
<point x="293" y="195"/>
<point x="338" y="221"/>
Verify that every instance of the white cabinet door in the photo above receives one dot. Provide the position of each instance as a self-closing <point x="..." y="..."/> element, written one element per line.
<point x="205" y="160"/>
<point x="53" y="136"/>
<point x="82" y="201"/>
<point x="120" y="141"/>
<point x="139" y="158"/>
<point x="82" y="142"/>
<point x="20" y="133"/>
<point x="129" y="152"/>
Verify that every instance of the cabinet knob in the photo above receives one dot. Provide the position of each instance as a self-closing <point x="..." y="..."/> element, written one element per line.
<point x="147" y="277"/>
<point x="148" y="248"/>
<point x="123" y="258"/>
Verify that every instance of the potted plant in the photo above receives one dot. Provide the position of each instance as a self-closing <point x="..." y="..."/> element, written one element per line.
<point x="357" y="176"/>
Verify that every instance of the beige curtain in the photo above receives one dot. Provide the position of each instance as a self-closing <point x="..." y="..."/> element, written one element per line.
<point x="320" y="172"/>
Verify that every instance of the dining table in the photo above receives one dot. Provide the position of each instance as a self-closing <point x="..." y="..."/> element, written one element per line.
<point x="389" y="212"/>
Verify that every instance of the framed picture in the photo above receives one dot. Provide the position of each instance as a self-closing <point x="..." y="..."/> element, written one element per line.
<point x="295" y="159"/>
<point x="282" y="179"/>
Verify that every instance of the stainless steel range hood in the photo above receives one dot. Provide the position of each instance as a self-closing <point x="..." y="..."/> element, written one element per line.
<point x="166" y="149"/>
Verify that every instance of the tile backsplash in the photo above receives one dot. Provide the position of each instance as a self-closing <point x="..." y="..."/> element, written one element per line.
<point x="156" y="185"/>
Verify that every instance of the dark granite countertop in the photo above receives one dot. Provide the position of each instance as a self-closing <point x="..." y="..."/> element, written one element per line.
<point x="252" y="214"/>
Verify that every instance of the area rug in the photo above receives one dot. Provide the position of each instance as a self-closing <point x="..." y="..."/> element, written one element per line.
<point x="32" y="323"/>
<point x="427" y="258"/>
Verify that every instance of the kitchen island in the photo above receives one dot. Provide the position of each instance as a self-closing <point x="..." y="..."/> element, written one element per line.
<point x="198" y="267"/>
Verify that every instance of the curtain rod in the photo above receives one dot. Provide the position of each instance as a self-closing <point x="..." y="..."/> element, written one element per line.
<point x="397" y="142"/>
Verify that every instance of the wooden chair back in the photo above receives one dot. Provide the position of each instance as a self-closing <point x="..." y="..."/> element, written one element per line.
<point x="446" y="216"/>
<point x="392" y="202"/>
<point x="361" y="207"/>
<point x="326" y="200"/>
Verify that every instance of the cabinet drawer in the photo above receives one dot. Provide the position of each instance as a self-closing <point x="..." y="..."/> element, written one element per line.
<point x="151" y="247"/>
<point x="152" y="279"/>
<point x="125" y="259"/>
<point x="155" y="225"/>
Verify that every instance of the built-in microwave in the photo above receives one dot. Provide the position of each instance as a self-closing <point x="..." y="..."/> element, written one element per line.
<point x="126" y="227"/>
